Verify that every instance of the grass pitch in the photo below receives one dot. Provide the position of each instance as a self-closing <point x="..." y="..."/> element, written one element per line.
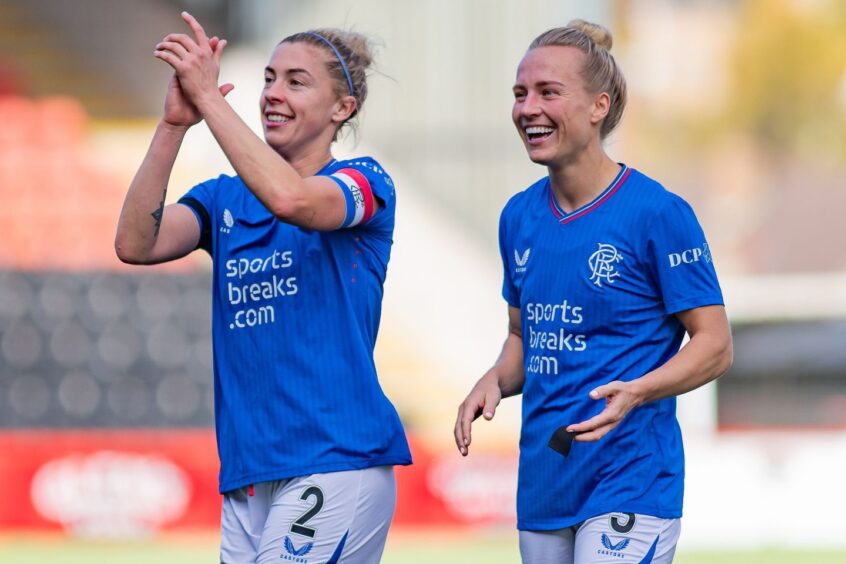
<point x="404" y="547"/>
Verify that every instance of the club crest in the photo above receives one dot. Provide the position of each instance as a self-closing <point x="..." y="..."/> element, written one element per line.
<point x="602" y="264"/>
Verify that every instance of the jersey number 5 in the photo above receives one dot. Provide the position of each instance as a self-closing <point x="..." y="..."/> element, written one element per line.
<point x="299" y="526"/>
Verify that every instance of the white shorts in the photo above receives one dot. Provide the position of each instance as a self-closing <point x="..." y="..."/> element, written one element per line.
<point x="613" y="537"/>
<point x="316" y="519"/>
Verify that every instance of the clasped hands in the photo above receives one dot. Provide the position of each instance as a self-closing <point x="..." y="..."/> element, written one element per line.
<point x="195" y="61"/>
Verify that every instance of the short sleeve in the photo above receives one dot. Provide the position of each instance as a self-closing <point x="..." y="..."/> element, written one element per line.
<point x="363" y="182"/>
<point x="509" y="289"/>
<point x="200" y="199"/>
<point x="681" y="260"/>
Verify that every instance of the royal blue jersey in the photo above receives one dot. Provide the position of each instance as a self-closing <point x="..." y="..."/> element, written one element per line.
<point x="597" y="289"/>
<point x="295" y="314"/>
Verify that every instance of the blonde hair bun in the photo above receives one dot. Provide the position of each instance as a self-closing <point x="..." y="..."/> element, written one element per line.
<point x="600" y="35"/>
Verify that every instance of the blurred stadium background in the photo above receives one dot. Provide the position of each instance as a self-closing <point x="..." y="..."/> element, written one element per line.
<point x="107" y="450"/>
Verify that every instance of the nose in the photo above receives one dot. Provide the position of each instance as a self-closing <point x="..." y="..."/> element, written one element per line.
<point x="530" y="107"/>
<point x="274" y="93"/>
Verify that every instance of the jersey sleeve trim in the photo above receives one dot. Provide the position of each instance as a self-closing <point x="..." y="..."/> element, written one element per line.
<point x="203" y="218"/>
<point x="677" y="306"/>
<point x="511" y="300"/>
<point x="358" y="195"/>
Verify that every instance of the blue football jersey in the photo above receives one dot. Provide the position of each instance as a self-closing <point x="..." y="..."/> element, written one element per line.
<point x="295" y="314"/>
<point x="597" y="289"/>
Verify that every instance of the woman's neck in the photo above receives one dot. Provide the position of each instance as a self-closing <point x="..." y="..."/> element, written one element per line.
<point x="580" y="181"/>
<point x="308" y="161"/>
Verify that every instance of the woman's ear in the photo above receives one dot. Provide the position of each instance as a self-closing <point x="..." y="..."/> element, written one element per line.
<point x="601" y="106"/>
<point x="344" y="108"/>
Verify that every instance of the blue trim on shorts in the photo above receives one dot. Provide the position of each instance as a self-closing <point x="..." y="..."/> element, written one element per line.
<point x="651" y="554"/>
<point x="336" y="556"/>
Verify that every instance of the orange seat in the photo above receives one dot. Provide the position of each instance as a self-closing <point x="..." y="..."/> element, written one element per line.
<point x="58" y="207"/>
<point x="62" y="121"/>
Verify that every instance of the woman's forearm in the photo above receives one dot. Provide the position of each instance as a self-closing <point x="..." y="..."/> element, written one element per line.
<point x="143" y="208"/>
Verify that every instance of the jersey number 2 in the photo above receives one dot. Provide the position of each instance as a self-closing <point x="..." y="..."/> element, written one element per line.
<point x="299" y="526"/>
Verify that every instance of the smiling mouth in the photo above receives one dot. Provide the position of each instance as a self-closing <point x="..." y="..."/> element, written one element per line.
<point x="538" y="134"/>
<point x="274" y="120"/>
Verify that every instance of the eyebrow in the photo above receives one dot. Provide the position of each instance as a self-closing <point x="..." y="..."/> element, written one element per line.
<point x="289" y="71"/>
<point x="540" y="84"/>
<point x="550" y="83"/>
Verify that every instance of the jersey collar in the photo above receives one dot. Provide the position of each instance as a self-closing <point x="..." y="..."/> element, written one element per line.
<point x="563" y="217"/>
<point x="326" y="167"/>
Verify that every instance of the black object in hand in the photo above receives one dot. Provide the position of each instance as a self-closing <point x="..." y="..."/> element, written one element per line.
<point x="561" y="440"/>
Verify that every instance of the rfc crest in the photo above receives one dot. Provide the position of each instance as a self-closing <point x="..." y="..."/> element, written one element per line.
<point x="602" y="264"/>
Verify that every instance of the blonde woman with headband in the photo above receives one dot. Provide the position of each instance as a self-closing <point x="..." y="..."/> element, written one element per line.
<point x="300" y="244"/>
<point x="604" y="273"/>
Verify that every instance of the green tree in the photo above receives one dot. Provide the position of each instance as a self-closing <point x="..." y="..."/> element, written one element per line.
<point x="788" y="73"/>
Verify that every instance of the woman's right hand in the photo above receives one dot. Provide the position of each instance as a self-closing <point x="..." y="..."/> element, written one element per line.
<point x="482" y="400"/>
<point x="179" y="111"/>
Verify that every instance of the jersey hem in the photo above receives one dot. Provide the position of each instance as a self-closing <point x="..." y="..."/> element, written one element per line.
<point x="555" y="524"/>
<point x="284" y="474"/>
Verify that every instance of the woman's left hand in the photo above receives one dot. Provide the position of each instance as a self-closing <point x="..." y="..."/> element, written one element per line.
<point x="620" y="398"/>
<point x="196" y="61"/>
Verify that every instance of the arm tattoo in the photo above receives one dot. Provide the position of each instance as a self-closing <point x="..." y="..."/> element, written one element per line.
<point x="157" y="215"/>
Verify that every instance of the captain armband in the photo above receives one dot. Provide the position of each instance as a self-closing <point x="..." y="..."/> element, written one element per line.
<point x="358" y="195"/>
